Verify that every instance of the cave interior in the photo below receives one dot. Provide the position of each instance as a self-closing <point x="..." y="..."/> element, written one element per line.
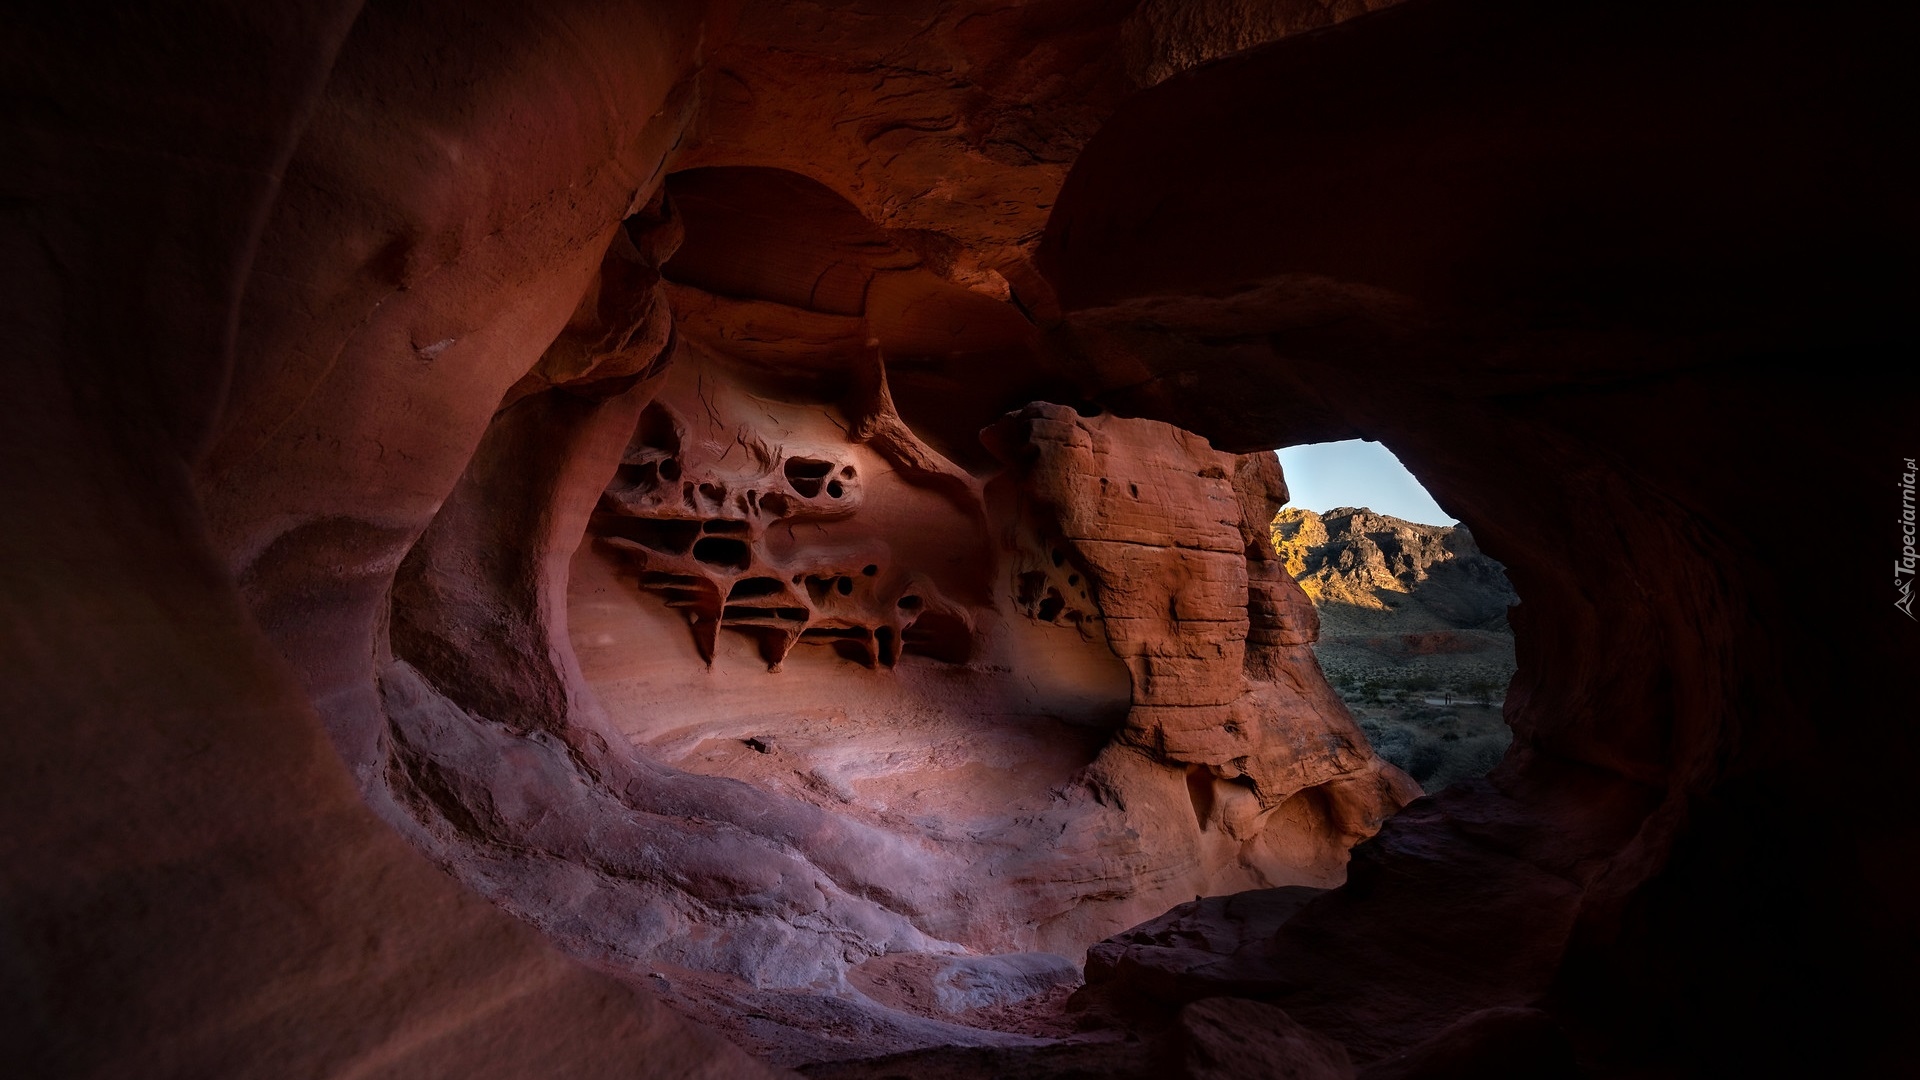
<point x="730" y="538"/>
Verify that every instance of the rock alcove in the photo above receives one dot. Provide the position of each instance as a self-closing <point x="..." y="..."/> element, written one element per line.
<point x="887" y="721"/>
<point x="330" y="477"/>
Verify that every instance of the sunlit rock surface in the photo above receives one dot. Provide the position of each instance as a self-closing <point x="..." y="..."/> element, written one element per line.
<point x="1043" y="710"/>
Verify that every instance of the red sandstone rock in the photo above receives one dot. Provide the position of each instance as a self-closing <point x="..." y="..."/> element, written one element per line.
<point x="903" y="624"/>
<point x="1513" y="1043"/>
<point x="329" y="338"/>
<point x="195" y="885"/>
<point x="1152" y="516"/>
<point x="1226" y="1037"/>
<point x="1210" y="947"/>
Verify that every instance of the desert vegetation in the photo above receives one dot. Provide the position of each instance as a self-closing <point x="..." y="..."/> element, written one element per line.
<point x="1413" y="635"/>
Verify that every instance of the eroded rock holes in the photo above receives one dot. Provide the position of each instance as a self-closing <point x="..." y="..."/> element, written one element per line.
<point x="691" y="519"/>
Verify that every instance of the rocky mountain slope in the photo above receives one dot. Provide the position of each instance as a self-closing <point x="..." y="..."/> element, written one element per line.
<point x="1371" y="572"/>
<point x="1413" y="633"/>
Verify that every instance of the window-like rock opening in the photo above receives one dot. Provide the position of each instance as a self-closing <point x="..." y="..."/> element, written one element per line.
<point x="1413" y="615"/>
<point x="748" y="588"/>
<point x="715" y="551"/>
<point x="806" y="475"/>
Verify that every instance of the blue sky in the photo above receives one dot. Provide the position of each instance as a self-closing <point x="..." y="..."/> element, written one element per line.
<point x="1356" y="472"/>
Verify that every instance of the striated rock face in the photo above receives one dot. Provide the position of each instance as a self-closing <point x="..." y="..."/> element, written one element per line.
<point x="1155" y="519"/>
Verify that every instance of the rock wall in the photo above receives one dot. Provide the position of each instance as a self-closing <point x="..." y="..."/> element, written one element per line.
<point x="1155" y="521"/>
<point x="445" y="387"/>
<point x="950" y="669"/>
<point x="1521" y="269"/>
<point x="194" y="881"/>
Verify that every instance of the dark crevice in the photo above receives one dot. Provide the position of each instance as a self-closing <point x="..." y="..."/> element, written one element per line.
<point x="716" y="551"/>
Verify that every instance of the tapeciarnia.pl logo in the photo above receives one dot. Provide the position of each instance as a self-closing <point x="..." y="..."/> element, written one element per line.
<point x="1903" y="566"/>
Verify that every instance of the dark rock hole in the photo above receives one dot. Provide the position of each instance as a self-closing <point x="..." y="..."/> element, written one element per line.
<point x="748" y="588"/>
<point x="719" y="551"/>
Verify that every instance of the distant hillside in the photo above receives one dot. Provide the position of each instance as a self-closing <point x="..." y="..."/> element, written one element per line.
<point x="1368" y="572"/>
<point x="1413" y="633"/>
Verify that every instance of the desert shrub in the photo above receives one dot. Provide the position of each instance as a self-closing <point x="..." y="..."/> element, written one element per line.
<point x="1483" y="689"/>
<point x="1424" y="744"/>
<point x="1426" y="758"/>
<point x="1390" y="739"/>
<point x="1466" y="759"/>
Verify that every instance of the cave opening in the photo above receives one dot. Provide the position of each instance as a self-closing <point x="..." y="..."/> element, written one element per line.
<point x="984" y="711"/>
<point x="1414" y="630"/>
